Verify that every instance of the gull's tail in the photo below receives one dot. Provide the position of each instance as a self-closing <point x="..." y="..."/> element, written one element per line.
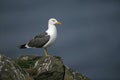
<point x="22" y="46"/>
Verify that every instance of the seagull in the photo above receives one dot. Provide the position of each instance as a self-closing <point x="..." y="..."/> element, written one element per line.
<point x="45" y="39"/>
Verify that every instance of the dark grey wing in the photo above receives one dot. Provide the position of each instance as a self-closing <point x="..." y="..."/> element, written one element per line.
<point x="41" y="35"/>
<point x="39" y="40"/>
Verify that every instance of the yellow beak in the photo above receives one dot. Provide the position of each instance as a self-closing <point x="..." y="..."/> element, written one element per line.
<point x="58" y="23"/>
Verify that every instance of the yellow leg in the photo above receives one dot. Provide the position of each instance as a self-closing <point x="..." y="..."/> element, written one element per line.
<point x="45" y="52"/>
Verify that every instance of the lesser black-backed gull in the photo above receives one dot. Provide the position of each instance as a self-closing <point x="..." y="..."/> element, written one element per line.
<point x="45" y="39"/>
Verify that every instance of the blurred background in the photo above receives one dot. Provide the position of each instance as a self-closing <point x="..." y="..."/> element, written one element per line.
<point x="88" y="39"/>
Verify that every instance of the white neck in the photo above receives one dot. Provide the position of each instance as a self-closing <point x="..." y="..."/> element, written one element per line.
<point x="51" y="29"/>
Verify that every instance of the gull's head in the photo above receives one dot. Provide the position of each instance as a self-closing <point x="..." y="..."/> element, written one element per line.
<point x="53" y="21"/>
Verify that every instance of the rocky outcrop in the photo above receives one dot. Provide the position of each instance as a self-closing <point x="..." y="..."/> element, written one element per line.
<point x="49" y="68"/>
<point x="30" y="67"/>
<point x="9" y="70"/>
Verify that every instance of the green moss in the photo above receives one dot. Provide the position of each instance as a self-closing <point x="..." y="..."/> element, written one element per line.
<point x="25" y="63"/>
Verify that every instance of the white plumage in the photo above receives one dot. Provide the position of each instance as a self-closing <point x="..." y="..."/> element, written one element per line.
<point x="52" y="31"/>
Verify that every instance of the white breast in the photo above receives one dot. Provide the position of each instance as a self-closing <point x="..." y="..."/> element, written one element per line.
<point x="52" y="31"/>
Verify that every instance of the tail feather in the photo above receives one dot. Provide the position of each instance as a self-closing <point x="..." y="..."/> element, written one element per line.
<point x="22" y="46"/>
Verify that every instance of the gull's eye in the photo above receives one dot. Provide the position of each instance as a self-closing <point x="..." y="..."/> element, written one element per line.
<point x="53" y="20"/>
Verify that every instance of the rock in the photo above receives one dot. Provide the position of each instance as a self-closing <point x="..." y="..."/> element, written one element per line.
<point x="30" y="67"/>
<point x="27" y="61"/>
<point x="72" y="75"/>
<point x="48" y="68"/>
<point x="9" y="70"/>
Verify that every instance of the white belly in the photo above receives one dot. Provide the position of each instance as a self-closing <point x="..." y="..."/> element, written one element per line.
<point x="53" y="34"/>
<point x="52" y="39"/>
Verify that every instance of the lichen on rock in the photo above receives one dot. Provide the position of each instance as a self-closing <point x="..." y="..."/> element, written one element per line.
<point x="30" y="67"/>
<point x="51" y="68"/>
<point x="9" y="70"/>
